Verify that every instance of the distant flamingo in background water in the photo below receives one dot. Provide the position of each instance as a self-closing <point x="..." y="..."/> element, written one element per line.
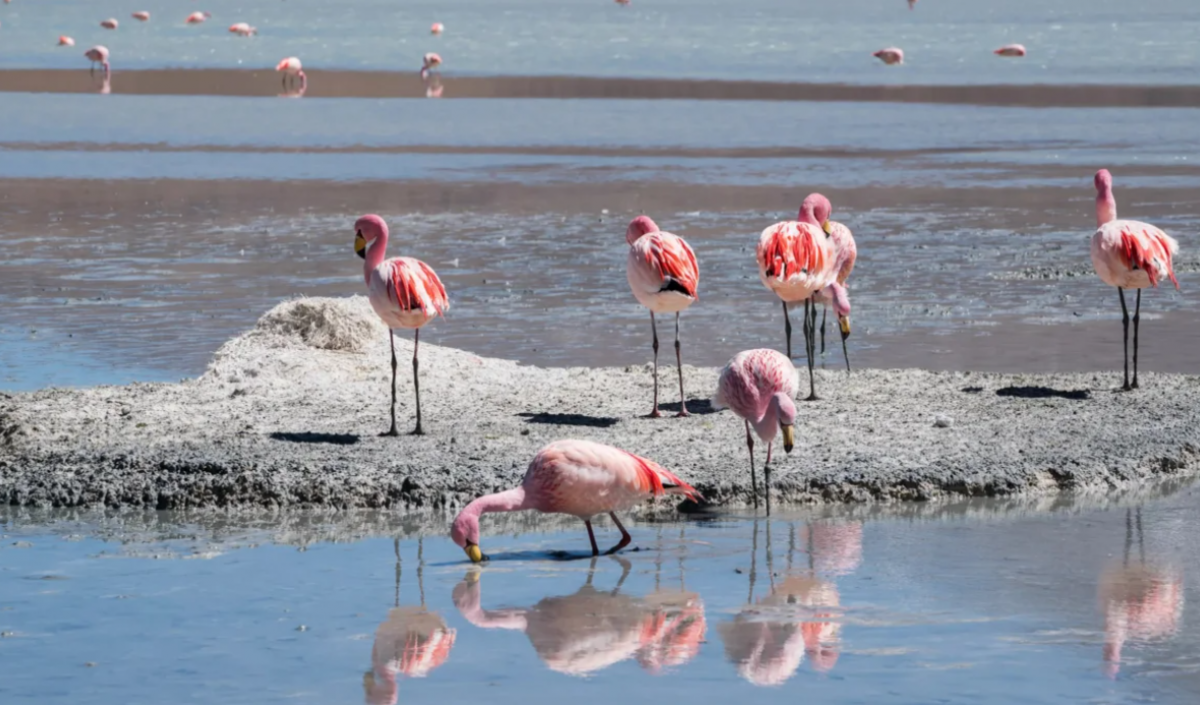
<point x="890" y="56"/>
<point x="1010" y="50"/>
<point x="795" y="260"/>
<point x="430" y="62"/>
<point x="110" y="23"/>
<point x="580" y="478"/>
<point x="760" y="386"/>
<point x="437" y="28"/>
<point x="65" y="41"/>
<point x="197" y="17"/>
<point x="1129" y="254"/>
<point x="405" y="292"/>
<point x="98" y="55"/>
<point x="663" y="275"/>
<point x="292" y="69"/>
<point x="242" y="29"/>
<point x="912" y="4"/>
<point x="141" y="16"/>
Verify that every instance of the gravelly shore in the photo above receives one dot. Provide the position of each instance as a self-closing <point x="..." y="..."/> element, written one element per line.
<point x="288" y="415"/>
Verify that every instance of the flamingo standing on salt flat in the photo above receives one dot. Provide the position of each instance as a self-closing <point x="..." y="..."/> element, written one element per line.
<point x="437" y="28"/>
<point x="98" y="55"/>
<point x="65" y="41"/>
<point x="663" y="274"/>
<point x="291" y="68"/>
<point x="890" y="56"/>
<point x="110" y="23"/>
<point x="430" y="62"/>
<point x="405" y="292"/>
<point x="1129" y="254"/>
<point x="242" y="29"/>
<point x="795" y="260"/>
<point x="1010" y="50"/>
<point x="141" y="16"/>
<point x="197" y="17"/>
<point x="847" y="255"/>
<point x="759" y="386"/>
<point x="580" y="478"/>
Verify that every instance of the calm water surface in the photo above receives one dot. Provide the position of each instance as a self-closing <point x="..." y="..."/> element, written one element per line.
<point x="914" y="604"/>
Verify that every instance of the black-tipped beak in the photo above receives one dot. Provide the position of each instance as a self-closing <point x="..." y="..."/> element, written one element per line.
<point x="844" y="324"/>
<point x="360" y="245"/>
<point x="789" y="437"/>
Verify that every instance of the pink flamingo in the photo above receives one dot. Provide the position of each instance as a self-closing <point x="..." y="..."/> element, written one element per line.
<point x="437" y="28"/>
<point x="847" y="255"/>
<point x="141" y="16"/>
<point x="623" y="3"/>
<point x="242" y="29"/>
<point x="663" y="274"/>
<point x="197" y="17"/>
<point x="912" y="4"/>
<point x="110" y="23"/>
<point x="795" y="260"/>
<point x="1129" y="254"/>
<point x="405" y="292"/>
<point x="430" y="62"/>
<point x="836" y="295"/>
<point x="759" y="386"/>
<point x="65" y="41"/>
<point x="1010" y="50"/>
<point x="291" y="68"/>
<point x="98" y="55"/>
<point x="890" y="56"/>
<point x="580" y="478"/>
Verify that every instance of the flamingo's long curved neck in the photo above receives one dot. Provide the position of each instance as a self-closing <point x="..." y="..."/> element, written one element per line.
<point x="808" y="215"/>
<point x="467" y="600"/>
<point x="1106" y="206"/>
<point x="508" y="501"/>
<point x="376" y="251"/>
<point x="769" y="423"/>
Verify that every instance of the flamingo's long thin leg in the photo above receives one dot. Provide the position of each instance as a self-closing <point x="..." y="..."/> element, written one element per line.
<point x="654" y="330"/>
<point x="753" y="475"/>
<point x="592" y="538"/>
<point x="810" y="319"/>
<point x="787" y="329"/>
<point x="625" y="537"/>
<point x="1125" y="323"/>
<point x="679" y="364"/>
<point x="392" y="340"/>
<point x="418" y="431"/>
<point x="1137" y="316"/>
<point x="767" y="472"/>
<point x="824" y="313"/>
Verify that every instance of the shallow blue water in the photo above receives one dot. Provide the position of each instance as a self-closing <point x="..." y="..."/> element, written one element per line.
<point x="946" y="41"/>
<point x="885" y="610"/>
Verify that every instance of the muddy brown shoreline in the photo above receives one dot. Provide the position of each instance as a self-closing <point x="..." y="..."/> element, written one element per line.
<point x="381" y="84"/>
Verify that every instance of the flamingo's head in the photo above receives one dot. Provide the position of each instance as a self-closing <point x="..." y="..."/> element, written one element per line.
<point x="841" y="306"/>
<point x="816" y="210"/>
<point x="465" y="534"/>
<point x="785" y="411"/>
<point x="638" y="227"/>
<point x="1103" y="181"/>
<point x="822" y="658"/>
<point x="367" y="230"/>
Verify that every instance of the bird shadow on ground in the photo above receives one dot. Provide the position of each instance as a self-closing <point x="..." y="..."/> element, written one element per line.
<point x="1044" y="393"/>
<point x="972" y="390"/>
<point x="558" y="556"/>
<point x="695" y="406"/>
<point x="569" y="419"/>
<point x="339" y="439"/>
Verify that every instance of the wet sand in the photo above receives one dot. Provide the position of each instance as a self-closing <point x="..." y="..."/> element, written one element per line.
<point x="380" y="84"/>
<point x="287" y="415"/>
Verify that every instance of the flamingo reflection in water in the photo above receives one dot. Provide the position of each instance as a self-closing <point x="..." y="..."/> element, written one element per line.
<point x="1142" y="600"/>
<point x="592" y="629"/>
<point x="412" y="641"/>
<point x="768" y="640"/>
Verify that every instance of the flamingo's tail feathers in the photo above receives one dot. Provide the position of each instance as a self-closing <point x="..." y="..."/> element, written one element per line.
<point x="1151" y="254"/>
<point x="671" y="484"/>
<point x="656" y="480"/>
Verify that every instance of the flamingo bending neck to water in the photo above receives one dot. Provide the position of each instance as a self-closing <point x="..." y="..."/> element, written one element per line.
<point x="580" y="478"/>
<point x="759" y="386"/>
<point x="795" y="260"/>
<point x="663" y="275"/>
<point x="405" y="292"/>
<point x="98" y="55"/>
<point x="429" y="63"/>
<point x="291" y="68"/>
<point x="1129" y="254"/>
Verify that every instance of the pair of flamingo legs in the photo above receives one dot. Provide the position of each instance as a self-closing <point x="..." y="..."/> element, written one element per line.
<point x="1137" y="315"/>
<point x="626" y="538"/>
<point x="418" y="431"/>
<point x="654" y="414"/>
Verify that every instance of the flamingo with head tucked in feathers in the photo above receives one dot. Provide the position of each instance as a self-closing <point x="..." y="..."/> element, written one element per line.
<point x="890" y="56"/>
<point x="197" y="17"/>
<point x="580" y="478"/>
<point x="663" y="274"/>
<point x="141" y="16"/>
<point x="759" y="386"/>
<point x="405" y="292"/>
<point x="1129" y="254"/>
<point x="1010" y="50"/>
<point x="796" y="259"/>
<point x="65" y="41"/>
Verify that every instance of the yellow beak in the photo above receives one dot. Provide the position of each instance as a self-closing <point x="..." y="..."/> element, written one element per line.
<point x="474" y="553"/>
<point x="789" y="437"/>
<point x="827" y="227"/>
<point x="845" y="324"/>
<point x="360" y="245"/>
